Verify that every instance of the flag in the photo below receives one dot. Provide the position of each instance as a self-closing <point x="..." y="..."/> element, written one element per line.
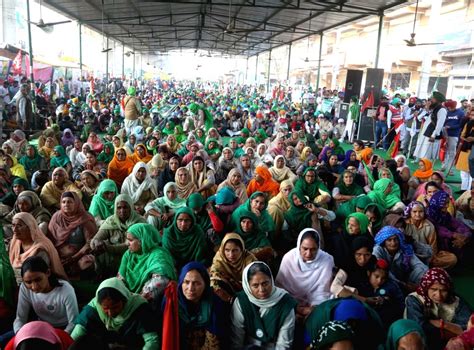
<point x="435" y="86"/>
<point x="394" y="146"/>
<point x="16" y="65"/>
<point x="369" y="102"/>
<point x="170" y="330"/>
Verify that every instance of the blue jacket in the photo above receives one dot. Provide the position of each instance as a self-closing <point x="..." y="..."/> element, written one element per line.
<point x="453" y="122"/>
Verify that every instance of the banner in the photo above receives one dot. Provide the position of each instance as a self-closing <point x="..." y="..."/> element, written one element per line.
<point x="17" y="64"/>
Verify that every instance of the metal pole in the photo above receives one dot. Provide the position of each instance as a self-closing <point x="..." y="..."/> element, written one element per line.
<point x="269" y="69"/>
<point x="80" y="47"/>
<point x="133" y="69"/>
<point x="289" y="60"/>
<point x="379" y="39"/>
<point x="30" y="45"/>
<point x="123" y="60"/>
<point x="107" y="63"/>
<point x="247" y="69"/>
<point x="319" y="61"/>
<point x="256" y="69"/>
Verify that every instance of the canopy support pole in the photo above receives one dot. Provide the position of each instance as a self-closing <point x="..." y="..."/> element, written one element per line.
<point x="269" y="69"/>
<point x="319" y="61"/>
<point x="80" y="47"/>
<point x="379" y="39"/>
<point x="30" y="44"/>
<point x="123" y="61"/>
<point x="289" y="61"/>
<point x="256" y="69"/>
<point x="107" y="63"/>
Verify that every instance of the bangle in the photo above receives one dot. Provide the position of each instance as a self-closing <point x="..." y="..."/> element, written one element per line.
<point x="441" y="328"/>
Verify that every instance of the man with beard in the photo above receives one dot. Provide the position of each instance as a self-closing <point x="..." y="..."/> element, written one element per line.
<point x="428" y="145"/>
<point x="413" y="115"/>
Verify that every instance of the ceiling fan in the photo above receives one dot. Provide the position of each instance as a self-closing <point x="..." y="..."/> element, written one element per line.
<point x="411" y="42"/>
<point x="47" y="27"/>
<point x="230" y="27"/>
<point x="128" y="53"/>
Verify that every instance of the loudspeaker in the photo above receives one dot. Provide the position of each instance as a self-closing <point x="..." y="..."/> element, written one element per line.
<point x="353" y="84"/>
<point x="373" y="82"/>
<point x="344" y="111"/>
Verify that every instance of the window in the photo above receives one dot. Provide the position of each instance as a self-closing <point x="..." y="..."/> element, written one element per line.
<point x="400" y="81"/>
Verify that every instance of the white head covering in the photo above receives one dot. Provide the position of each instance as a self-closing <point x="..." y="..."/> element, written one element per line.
<point x="308" y="282"/>
<point x="133" y="188"/>
<point x="275" y="297"/>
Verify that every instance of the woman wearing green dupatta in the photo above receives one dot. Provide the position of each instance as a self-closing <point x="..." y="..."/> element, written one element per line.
<point x="405" y="334"/>
<point x="179" y="134"/>
<point x="261" y="136"/>
<point x="160" y="212"/>
<point x="169" y="128"/>
<point x="102" y="205"/>
<point x="346" y="189"/>
<point x="313" y="187"/>
<point x="375" y="213"/>
<point x="118" y="317"/>
<point x="335" y="145"/>
<point x="60" y="159"/>
<point x="8" y="289"/>
<point x="257" y="204"/>
<point x="146" y="267"/>
<point x="385" y="173"/>
<point x="213" y="149"/>
<point x="185" y="239"/>
<point x="107" y="154"/>
<point x="383" y="195"/>
<point x="357" y="204"/>
<point x="32" y="161"/>
<point x="86" y="130"/>
<point x="109" y="243"/>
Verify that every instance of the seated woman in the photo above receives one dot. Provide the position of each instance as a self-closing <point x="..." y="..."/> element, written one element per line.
<point x="279" y="205"/>
<point x="107" y="154"/>
<point x="32" y="161"/>
<point x="52" y="300"/>
<point x="140" y="187"/>
<point x="257" y="203"/>
<point x="203" y="320"/>
<point x="160" y="212"/>
<point x="306" y="272"/>
<point x="453" y="234"/>
<point x="119" y="167"/>
<point x="16" y="168"/>
<point x="405" y="267"/>
<point x="280" y="172"/>
<point x="40" y="335"/>
<point x="91" y="164"/>
<point x="234" y="181"/>
<point x="140" y="154"/>
<point x="334" y="335"/>
<point x="364" y="321"/>
<point x="51" y="192"/>
<point x="420" y="175"/>
<point x="185" y="187"/>
<point x="225" y="164"/>
<point x="423" y="231"/>
<point x="102" y="205"/>
<point x="256" y="241"/>
<point x="28" y="240"/>
<point x="346" y="189"/>
<point x="202" y="175"/>
<point x="95" y="143"/>
<point x="384" y="193"/>
<point x="354" y="274"/>
<point x="263" y="182"/>
<point x="437" y="309"/>
<point x="302" y="214"/>
<point x="438" y="178"/>
<point x="60" y="159"/>
<point x="375" y="213"/>
<point x="89" y="183"/>
<point x="428" y="189"/>
<point x="223" y="204"/>
<point x="206" y="218"/>
<point x="405" y="334"/>
<point x="71" y="228"/>
<point x="146" y="267"/>
<point x="228" y="265"/>
<point x="8" y="201"/>
<point x="109" y="244"/>
<point x="8" y="292"/>
<point x="312" y="187"/>
<point x="185" y="239"/>
<point x="381" y="293"/>
<point x="118" y="316"/>
<point x="262" y="315"/>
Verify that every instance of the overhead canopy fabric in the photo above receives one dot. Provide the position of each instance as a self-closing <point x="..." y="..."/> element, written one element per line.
<point x="239" y="27"/>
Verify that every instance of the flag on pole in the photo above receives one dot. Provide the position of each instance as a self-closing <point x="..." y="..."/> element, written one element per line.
<point x="16" y="65"/>
<point x="394" y="146"/>
<point x="435" y="86"/>
<point x="369" y="102"/>
<point x="370" y="177"/>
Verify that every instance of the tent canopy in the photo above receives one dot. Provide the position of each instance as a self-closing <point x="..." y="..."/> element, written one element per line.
<point x="253" y="26"/>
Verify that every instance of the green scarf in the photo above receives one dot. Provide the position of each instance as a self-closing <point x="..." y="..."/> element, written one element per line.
<point x="214" y="150"/>
<point x="134" y="301"/>
<point x="254" y="239"/>
<point x="179" y="134"/>
<point x="196" y="202"/>
<point x="351" y="190"/>
<point x="355" y="111"/>
<point x="380" y="211"/>
<point x="399" y="329"/>
<point x="31" y="164"/>
<point x="170" y="130"/>
<point x="100" y="206"/>
<point x="86" y="130"/>
<point x="61" y="160"/>
<point x="103" y="156"/>
<point x="137" y="268"/>
<point x="338" y="150"/>
<point x="186" y="246"/>
<point x="7" y="276"/>
<point x="362" y="219"/>
<point x="395" y="188"/>
<point x="265" y="221"/>
<point x="298" y="217"/>
<point x="114" y="223"/>
<point x="261" y="136"/>
<point x="310" y="190"/>
<point x="386" y="201"/>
